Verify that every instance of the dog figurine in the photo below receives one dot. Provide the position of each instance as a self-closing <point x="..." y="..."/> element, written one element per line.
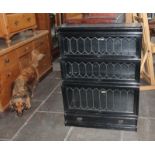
<point x="24" y="85"/>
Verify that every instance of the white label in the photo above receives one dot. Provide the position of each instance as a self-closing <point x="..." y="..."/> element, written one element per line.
<point x="101" y="39"/>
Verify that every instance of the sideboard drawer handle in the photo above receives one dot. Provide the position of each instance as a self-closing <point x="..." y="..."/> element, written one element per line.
<point x="6" y="60"/>
<point x="16" y="22"/>
<point x="9" y="74"/>
<point x="29" y="19"/>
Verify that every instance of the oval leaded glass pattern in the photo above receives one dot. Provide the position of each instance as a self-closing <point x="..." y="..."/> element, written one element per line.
<point x="101" y="46"/>
<point x="100" y="99"/>
<point x="99" y="70"/>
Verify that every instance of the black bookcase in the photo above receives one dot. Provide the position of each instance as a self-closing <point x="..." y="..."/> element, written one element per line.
<point x="100" y="66"/>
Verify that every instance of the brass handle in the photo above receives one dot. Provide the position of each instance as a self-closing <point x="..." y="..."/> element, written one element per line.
<point x="29" y="19"/>
<point x="16" y="22"/>
<point x="9" y="74"/>
<point x="6" y="60"/>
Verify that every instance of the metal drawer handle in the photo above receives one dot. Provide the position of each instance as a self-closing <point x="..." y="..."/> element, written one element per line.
<point x="6" y="60"/>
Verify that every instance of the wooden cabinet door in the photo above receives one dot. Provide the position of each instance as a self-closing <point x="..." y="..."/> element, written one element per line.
<point x="45" y="63"/>
<point x="7" y="78"/>
<point x="43" y="23"/>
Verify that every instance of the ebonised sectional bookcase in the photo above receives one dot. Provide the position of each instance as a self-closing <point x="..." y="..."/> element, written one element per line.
<point x="100" y="66"/>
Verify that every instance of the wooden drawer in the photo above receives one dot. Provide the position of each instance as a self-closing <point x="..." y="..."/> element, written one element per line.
<point x="29" y="19"/>
<point x="17" y="22"/>
<point x="41" y="41"/>
<point x="44" y="65"/>
<point x="8" y="60"/>
<point x="101" y="121"/>
<point x="25" y="49"/>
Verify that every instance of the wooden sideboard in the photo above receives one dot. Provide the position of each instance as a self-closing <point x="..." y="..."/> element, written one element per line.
<point x="17" y="57"/>
<point x="12" y="23"/>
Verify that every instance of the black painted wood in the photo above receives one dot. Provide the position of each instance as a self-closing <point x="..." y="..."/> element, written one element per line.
<point x="98" y="70"/>
<point x="100" y="66"/>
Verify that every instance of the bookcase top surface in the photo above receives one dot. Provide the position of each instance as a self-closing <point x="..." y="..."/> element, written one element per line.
<point x="133" y="26"/>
